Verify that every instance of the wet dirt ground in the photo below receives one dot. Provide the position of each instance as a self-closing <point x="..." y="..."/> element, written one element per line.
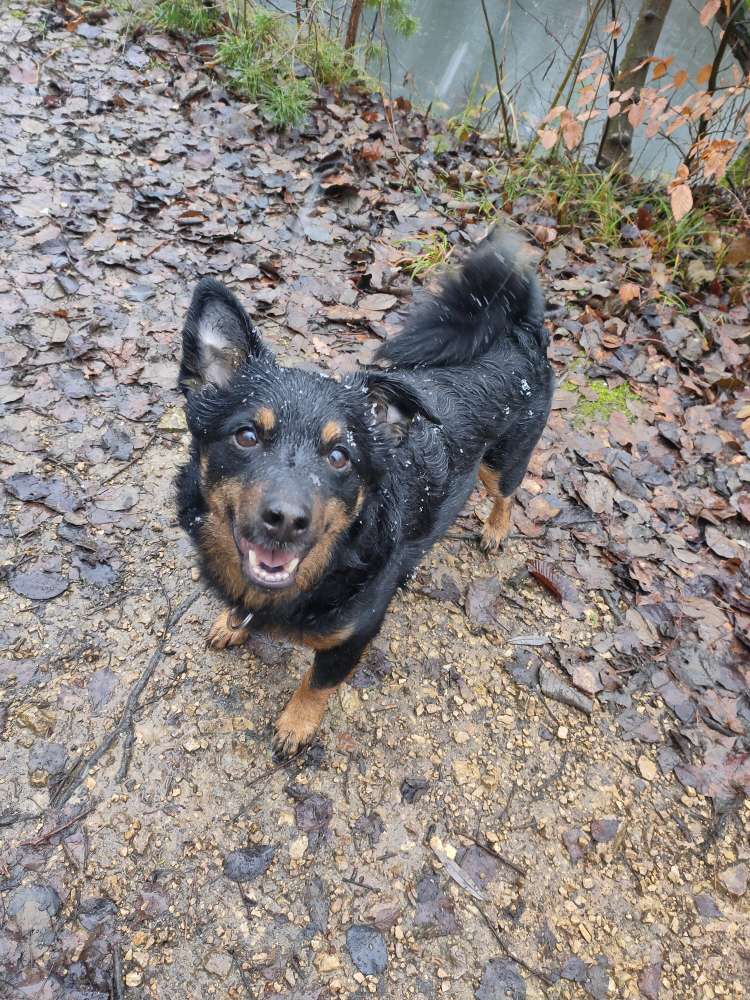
<point x="457" y="830"/>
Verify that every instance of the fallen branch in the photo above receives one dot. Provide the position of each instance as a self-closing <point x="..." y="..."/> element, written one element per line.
<point x="73" y="778"/>
<point x="118" y="982"/>
<point x="36" y="841"/>
<point x="128" y="465"/>
<point x="513" y="957"/>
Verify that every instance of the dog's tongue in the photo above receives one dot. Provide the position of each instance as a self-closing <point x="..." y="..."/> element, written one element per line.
<point x="271" y="557"/>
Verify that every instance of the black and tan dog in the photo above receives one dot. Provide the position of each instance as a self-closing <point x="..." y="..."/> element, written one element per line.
<point x="311" y="500"/>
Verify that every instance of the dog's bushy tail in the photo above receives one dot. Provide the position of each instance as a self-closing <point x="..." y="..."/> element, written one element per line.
<point x="494" y="295"/>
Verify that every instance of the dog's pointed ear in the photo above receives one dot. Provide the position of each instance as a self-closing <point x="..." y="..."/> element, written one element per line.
<point x="218" y="337"/>
<point x="394" y="403"/>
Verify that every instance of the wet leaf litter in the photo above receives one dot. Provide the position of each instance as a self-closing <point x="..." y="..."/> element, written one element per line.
<point x="590" y="733"/>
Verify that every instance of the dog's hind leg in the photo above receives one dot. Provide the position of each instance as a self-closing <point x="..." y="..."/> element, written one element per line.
<point x="502" y="470"/>
<point x="497" y="525"/>
<point x="227" y="630"/>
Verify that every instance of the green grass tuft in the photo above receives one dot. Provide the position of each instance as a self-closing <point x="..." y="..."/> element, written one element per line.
<point x="191" y="16"/>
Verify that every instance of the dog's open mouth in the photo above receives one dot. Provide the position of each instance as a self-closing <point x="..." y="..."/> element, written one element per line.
<point x="268" y="567"/>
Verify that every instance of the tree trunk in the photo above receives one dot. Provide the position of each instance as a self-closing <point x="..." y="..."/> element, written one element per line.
<point x="353" y="26"/>
<point x="737" y="24"/>
<point x="615" y="149"/>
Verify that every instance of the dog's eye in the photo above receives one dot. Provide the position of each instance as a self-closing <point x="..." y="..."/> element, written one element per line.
<point x="246" y="437"/>
<point x="339" y="459"/>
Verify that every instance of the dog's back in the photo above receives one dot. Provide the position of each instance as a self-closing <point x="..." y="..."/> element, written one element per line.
<point x="477" y="350"/>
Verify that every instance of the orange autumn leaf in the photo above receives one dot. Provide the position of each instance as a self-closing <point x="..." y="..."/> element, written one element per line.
<point x="548" y="137"/>
<point x="703" y="74"/>
<point x="681" y="199"/>
<point x="709" y="11"/>
<point x="629" y="291"/>
<point x="636" y="113"/>
<point x="572" y="134"/>
<point x="680" y="77"/>
<point x="661" y="68"/>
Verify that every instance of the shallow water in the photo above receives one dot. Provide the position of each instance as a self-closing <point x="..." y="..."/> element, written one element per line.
<point x="449" y="60"/>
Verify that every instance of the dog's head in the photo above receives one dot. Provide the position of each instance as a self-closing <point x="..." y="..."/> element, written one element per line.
<point x="287" y="458"/>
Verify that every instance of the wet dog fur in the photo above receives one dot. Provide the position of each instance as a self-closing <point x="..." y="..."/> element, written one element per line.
<point x="311" y="500"/>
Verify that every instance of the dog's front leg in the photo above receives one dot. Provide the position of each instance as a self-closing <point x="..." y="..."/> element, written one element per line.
<point x="297" y="724"/>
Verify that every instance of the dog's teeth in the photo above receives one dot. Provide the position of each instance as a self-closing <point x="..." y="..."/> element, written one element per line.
<point x="292" y="565"/>
<point x="252" y="558"/>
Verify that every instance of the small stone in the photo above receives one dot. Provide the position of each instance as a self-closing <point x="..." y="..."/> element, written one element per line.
<point x="647" y="768"/>
<point x="461" y="737"/>
<point x="218" y="964"/>
<point x="173" y="420"/>
<point x="562" y="732"/>
<point x="734" y="879"/>
<point x="133" y="978"/>
<point x="603" y="831"/>
<point x="349" y="699"/>
<point x="195" y="574"/>
<point x="248" y="863"/>
<point x="298" y="847"/>
<point x="326" y="962"/>
<point x="367" y="949"/>
<point x="191" y="744"/>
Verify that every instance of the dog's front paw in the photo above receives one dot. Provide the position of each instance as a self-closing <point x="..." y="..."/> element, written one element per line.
<point x="298" y="723"/>
<point x="224" y="633"/>
<point x="291" y="735"/>
<point x="491" y="540"/>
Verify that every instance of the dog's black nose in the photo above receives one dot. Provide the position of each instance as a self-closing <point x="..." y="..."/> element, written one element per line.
<point x="284" y="520"/>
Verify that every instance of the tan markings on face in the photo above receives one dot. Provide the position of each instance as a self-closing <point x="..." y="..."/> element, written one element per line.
<point x="360" y="501"/>
<point x="330" y="520"/>
<point x="218" y="546"/>
<point x="331" y="433"/>
<point x="330" y="641"/>
<point x="265" y="418"/>
<point x="297" y="724"/>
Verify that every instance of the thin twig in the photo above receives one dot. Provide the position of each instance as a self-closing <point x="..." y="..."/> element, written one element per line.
<point x="81" y="768"/>
<point x="496" y="64"/>
<point x="506" y="950"/>
<point x="36" y="841"/>
<point x="577" y="55"/>
<point x="486" y="846"/>
<point x="118" y="982"/>
<point x="267" y="774"/>
<point x="129" y="465"/>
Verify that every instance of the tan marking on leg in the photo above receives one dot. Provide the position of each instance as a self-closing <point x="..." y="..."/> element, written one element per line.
<point x="497" y="525"/>
<point x="490" y="480"/>
<point x="332" y="431"/>
<point x="265" y="418"/>
<point x="223" y="633"/>
<point x="330" y="641"/>
<point x="298" y="723"/>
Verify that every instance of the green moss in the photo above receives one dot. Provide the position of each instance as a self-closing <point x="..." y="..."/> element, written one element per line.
<point x="600" y="401"/>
